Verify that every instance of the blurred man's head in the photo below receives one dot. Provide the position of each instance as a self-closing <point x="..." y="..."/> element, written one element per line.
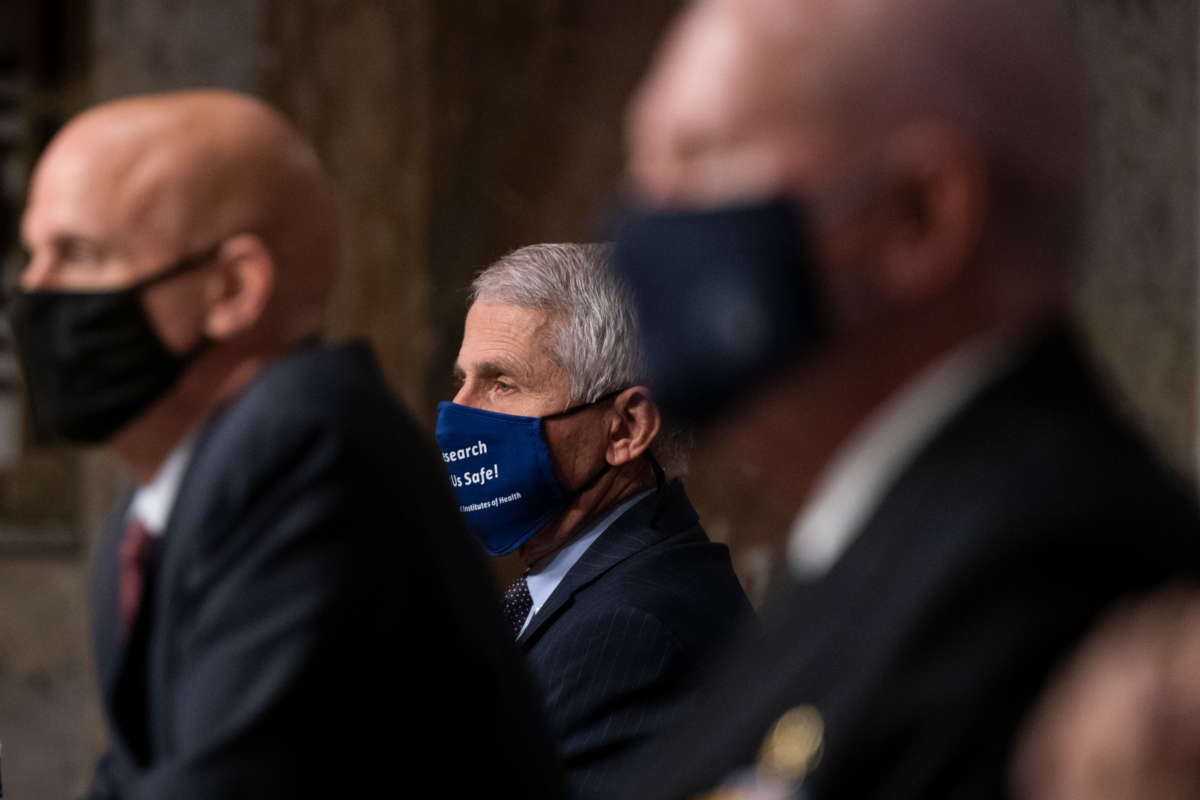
<point x="1122" y="719"/>
<point x="551" y="330"/>
<point x="214" y="208"/>
<point x="930" y="156"/>
<point x="928" y="141"/>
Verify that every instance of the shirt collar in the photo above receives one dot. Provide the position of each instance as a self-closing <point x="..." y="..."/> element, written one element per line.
<point x="152" y="502"/>
<point x="543" y="582"/>
<point x="864" y="468"/>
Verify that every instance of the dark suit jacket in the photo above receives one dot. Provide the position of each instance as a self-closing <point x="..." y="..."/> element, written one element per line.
<point x="617" y="645"/>
<point x="319" y="624"/>
<point x="1029" y="514"/>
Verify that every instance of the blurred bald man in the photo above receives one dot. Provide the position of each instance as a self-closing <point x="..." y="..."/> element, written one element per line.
<point x="855" y="239"/>
<point x="287" y="605"/>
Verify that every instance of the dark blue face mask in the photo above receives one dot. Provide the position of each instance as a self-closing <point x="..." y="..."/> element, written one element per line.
<point x="500" y="471"/>
<point x="725" y="298"/>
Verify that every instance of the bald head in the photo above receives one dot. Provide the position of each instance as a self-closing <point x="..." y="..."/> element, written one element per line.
<point x="1008" y="74"/>
<point x="754" y="97"/>
<point x="155" y="177"/>
<point x="177" y="244"/>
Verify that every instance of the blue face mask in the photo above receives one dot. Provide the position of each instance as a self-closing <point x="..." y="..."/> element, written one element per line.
<point x="500" y="471"/>
<point x="725" y="297"/>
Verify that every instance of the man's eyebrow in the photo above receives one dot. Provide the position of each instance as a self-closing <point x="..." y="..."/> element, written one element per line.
<point x="494" y="367"/>
<point x="65" y="241"/>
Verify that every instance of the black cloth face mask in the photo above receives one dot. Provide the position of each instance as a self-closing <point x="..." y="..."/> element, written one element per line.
<point x="726" y="297"/>
<point x="92" y="359"/>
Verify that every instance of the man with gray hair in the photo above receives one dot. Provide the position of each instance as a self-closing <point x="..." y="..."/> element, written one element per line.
<point x="558" y="454"/>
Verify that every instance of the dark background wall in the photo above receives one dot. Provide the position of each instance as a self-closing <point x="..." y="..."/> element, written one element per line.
<point x="460" y="130"/>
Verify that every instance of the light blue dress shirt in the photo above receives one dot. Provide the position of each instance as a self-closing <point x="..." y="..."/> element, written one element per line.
<point x="543" y="582"/>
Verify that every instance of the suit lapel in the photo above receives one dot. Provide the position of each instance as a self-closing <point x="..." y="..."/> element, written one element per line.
<point x="919" y="510"/>
<point x="812" y="628"/>
<point x="108" y="642"/>
<point x="662" y="513"/>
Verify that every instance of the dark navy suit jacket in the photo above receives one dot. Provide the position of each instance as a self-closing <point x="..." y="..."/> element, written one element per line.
<point x="1025" y="518"/>
<point x="618" y="645"/>
<point x="318" y="624"/>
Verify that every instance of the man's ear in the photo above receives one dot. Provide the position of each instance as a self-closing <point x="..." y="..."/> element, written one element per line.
<point x="936" y="205"/>
<point x="238" y="292"/>
<point x="634" y="425"/>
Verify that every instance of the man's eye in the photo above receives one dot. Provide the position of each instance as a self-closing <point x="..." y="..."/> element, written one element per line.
<point x="77" y="252"/>
<point x="503" y="386"/>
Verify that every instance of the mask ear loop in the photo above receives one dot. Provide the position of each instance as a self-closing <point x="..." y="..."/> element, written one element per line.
<point x="660" y="475"/>
<point x="594" y="478"/>
<point x="185" y="264"/>
<point x="576" y="409"/>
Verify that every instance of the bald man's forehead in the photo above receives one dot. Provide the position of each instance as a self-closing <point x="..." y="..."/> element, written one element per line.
<point x="100" y="179"/>
<point x="787" y="18"/>
<point x="733" y="67"/>
<point x="824" y="25"/>
<point x="172" y="172"/>
<point x="74" y="193"/>
<point x="793" y="54"/>
<point x="177" y="172"/>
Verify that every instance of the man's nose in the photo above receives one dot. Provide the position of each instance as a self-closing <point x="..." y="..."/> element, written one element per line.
<point x="33" y="274"/>
<point x="463" y="396"/>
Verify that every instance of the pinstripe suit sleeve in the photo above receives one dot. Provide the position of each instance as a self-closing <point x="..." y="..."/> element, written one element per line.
<point x="615" y="681"/>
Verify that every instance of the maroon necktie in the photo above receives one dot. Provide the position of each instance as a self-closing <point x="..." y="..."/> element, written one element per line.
<point x="135" y="547"/>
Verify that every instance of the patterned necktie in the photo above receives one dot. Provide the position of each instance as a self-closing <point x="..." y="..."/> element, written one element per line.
<point x="132" y="557"/>
<point x="517" y="603"/>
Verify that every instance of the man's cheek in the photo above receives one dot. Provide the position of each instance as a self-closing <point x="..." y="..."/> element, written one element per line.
<point x="849" y="264"/>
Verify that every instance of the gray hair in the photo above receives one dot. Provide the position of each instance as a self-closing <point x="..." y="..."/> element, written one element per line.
<point x="594" y="328"/>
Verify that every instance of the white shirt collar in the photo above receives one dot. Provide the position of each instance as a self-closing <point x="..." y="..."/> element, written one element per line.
<point x="152" y="502"/>
<point x="543" y="582"/>
<point x="865" y="467"/>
